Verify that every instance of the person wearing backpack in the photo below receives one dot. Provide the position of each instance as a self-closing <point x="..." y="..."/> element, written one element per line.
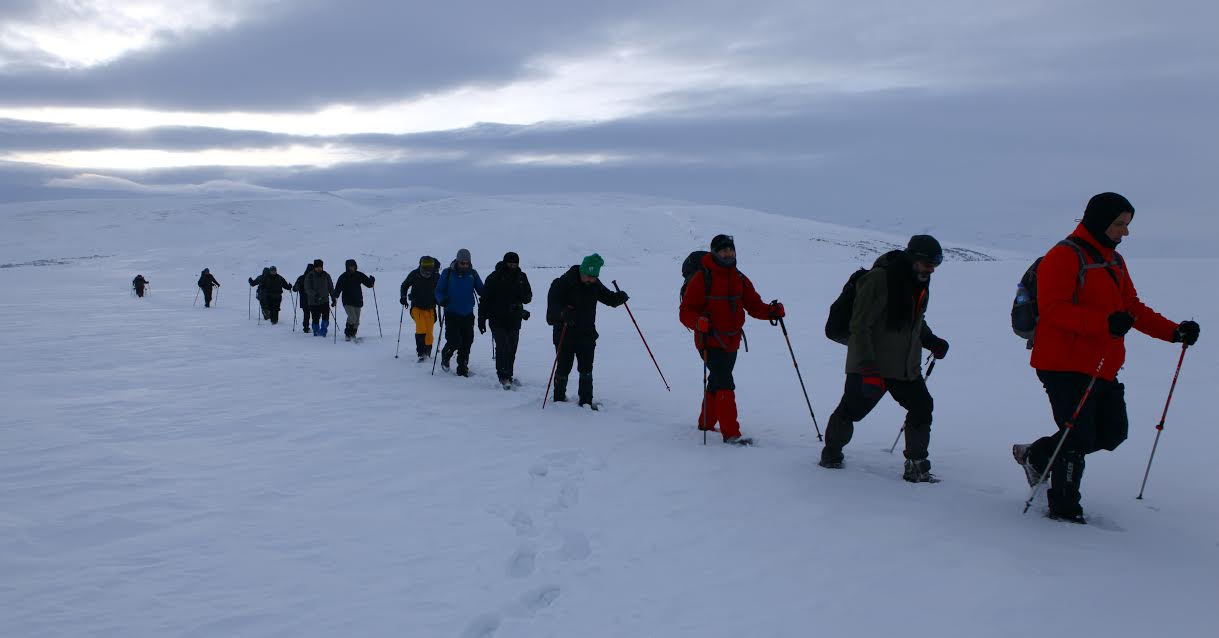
<point x="271" y="286"/>
<point x="138" y="284"/>
<point x="418" y="291"/>
<point x="714" y="303"/>
<point x="456" y="291"/>
<point x="1086" y="303"/>
<point x="505" y="295"/>
<point x="207" y="283"/>
<point x="348" y="286"/>
<point x="888" y="333"/>
<point x="571" y="308"/>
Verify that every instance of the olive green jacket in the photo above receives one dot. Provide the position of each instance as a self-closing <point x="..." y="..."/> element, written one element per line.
<point x="895" y="353"/>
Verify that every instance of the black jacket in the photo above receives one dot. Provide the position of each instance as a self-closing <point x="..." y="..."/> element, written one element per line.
<point x="420" y="291"/>
<point x="573" y="303"/>
<point x="139" y="282"/>
<point x="207" y="280"/>
<point x="299" y="288"/>
<point x="505" y="294"/>
<point x="271" y="286"/>
<point x="348" y="286"/>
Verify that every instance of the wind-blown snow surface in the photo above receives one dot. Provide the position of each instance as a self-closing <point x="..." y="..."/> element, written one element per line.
<point x="167" y="470"/>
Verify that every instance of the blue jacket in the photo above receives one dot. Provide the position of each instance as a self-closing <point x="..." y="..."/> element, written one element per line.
<point x="455" y="291"/>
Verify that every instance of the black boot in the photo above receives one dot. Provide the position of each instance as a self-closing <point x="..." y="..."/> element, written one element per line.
<point x="831" y="457"/>
<point x="1065" y="479"/>
<point x="918" y="471"/>
<point x="560" y="389"/>
<point x="586" y="389"/>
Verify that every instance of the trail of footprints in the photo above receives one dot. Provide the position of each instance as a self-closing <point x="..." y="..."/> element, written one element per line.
<point x="547" y="537"/>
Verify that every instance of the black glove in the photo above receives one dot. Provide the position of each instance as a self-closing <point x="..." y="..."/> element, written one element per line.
<point x="623" y="297"/>
<point x="482" y="325"/>
<point x="1187" y="333"/>
<point x="525" y="314"/>
<point x="251" y="281"/>
<point x="372" y="281"/>
<point x="568" y="316"/>
<point x="1120" y="323"/>
<point x="404" y="301"/>
<point x="937" y="346"/>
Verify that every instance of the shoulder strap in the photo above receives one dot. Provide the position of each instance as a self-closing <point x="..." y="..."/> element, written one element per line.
<point x="1098" y="260"/>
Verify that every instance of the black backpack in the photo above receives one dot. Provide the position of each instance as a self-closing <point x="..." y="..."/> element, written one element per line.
<point x="838" y="324"/>
<point x="1024" y="307"/>
<point x="692" y="264"/>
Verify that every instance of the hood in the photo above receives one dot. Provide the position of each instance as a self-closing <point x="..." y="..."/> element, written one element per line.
<point x="350" y="263"/>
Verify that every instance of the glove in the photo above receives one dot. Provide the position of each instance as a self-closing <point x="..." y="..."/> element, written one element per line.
<point x="873" y="384"/>
<point x="703" y="325"/>
<point x="482" y="325"/>
<point x="404" y="301"/>
<point x="525" y="314"/>
<point x="568" y="315"/>
<point x="251" y="279"/>
<point x="1187" y="333"/>
<point x="372" y="281"/>
<point x="937" y="346"/>
<point x="776" y="310"/>
<point x="623" y="297"/>
<point x="1120" y="323"/>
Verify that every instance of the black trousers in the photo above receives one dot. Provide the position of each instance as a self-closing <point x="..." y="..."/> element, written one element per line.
<point x="579" y="352"/>
<point x="307" y="312"/>
<point x="854" y="406"/>
<point x="207" y="295"/>
<point x="719" y="369"/>
<point x="459" y="338"/>
<point x="320" y="313"/>
<point x="1102" y="424"/>
<point x="506" y="342"/>
<point x="139" y="291"/>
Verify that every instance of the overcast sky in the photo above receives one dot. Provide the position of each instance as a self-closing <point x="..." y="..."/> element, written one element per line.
<point x="879" y="113"/>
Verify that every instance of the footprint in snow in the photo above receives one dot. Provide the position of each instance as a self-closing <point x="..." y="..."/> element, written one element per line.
<point x="522" y="563"/>
<point x="484" y="626"/>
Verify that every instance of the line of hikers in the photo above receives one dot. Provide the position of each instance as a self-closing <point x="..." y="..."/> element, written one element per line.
<point x="1075" y="307"/>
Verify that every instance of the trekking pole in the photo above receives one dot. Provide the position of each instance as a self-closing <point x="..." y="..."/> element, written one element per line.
<point x="216" y="299"/>
<point x="401" y="314"/>
<point x="553" y="368"/>
<point x="799" y="376"/>
<point x="704" y="425"/>
<point x="930" y="367"/>
<point x="1160" y="425"/>
<point x="335" y="307"/>
<point x="436" y="342"/>
<point x="249" y="306"/>
<point x="292" y="296"/>
<point x="1066" y="428"/>
<point x="377" y="307"/>
<point x="645" y="341"/>
<point x="196" y="301"/>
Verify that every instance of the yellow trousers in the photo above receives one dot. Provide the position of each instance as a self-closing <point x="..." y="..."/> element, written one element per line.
<point x="425" y="321"/>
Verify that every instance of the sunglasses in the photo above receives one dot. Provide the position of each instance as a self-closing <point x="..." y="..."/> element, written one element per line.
<point x="934" y="260"/>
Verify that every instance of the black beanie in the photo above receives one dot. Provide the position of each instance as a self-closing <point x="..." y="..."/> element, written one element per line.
<point x="925" y="248"/>
<point x="1102" y="210"/>
<point x="720" y="242"/>
<point x="351" y="263"/>
<point x="512" y="258"/>
<point x="317" y="263"/>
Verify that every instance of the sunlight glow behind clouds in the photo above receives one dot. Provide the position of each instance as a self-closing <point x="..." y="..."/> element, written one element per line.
<point x="140" y="159"/>
<point x="86" y="33"/>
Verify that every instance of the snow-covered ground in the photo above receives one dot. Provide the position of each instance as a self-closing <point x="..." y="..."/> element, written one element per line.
<point x="167" y="470"/>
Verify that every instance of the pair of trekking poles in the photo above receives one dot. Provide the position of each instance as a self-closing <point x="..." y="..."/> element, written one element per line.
<point x="1070" y="425"/>
<point x="216" y="293"/>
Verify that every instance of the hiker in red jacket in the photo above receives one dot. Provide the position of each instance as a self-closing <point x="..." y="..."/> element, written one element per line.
<point x="1087" y="303"/>
<point x="715" y="311"/>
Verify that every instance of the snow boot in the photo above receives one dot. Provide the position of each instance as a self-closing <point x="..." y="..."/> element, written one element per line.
<point x="740" y="441"/>
<point x="1077" y="518"/>
<point x="831" y="458"/>
<point x="317" y="329"/>
<point x="918" y="471"/>
<point x="1032" y="473"/>
<point x="595" y="407"/>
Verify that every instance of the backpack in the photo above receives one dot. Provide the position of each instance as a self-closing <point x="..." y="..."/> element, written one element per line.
<point x="692" y="264"/>
<point x="838" y="324"/>
<point x="554" y="302"/>
<point x="1024" y="307"/>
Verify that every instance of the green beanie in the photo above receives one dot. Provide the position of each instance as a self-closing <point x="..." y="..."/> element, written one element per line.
<point x="591" y="266"/>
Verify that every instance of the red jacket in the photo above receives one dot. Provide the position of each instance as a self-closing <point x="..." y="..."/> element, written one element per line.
<point x="1073" y="337"/>
<point x="732" y="295"/>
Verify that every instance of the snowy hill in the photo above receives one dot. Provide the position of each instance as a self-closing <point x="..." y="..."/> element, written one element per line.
<point x="174" y="471"/>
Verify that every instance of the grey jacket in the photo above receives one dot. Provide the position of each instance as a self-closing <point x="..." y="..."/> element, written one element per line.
<point x="319" y="288"/>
